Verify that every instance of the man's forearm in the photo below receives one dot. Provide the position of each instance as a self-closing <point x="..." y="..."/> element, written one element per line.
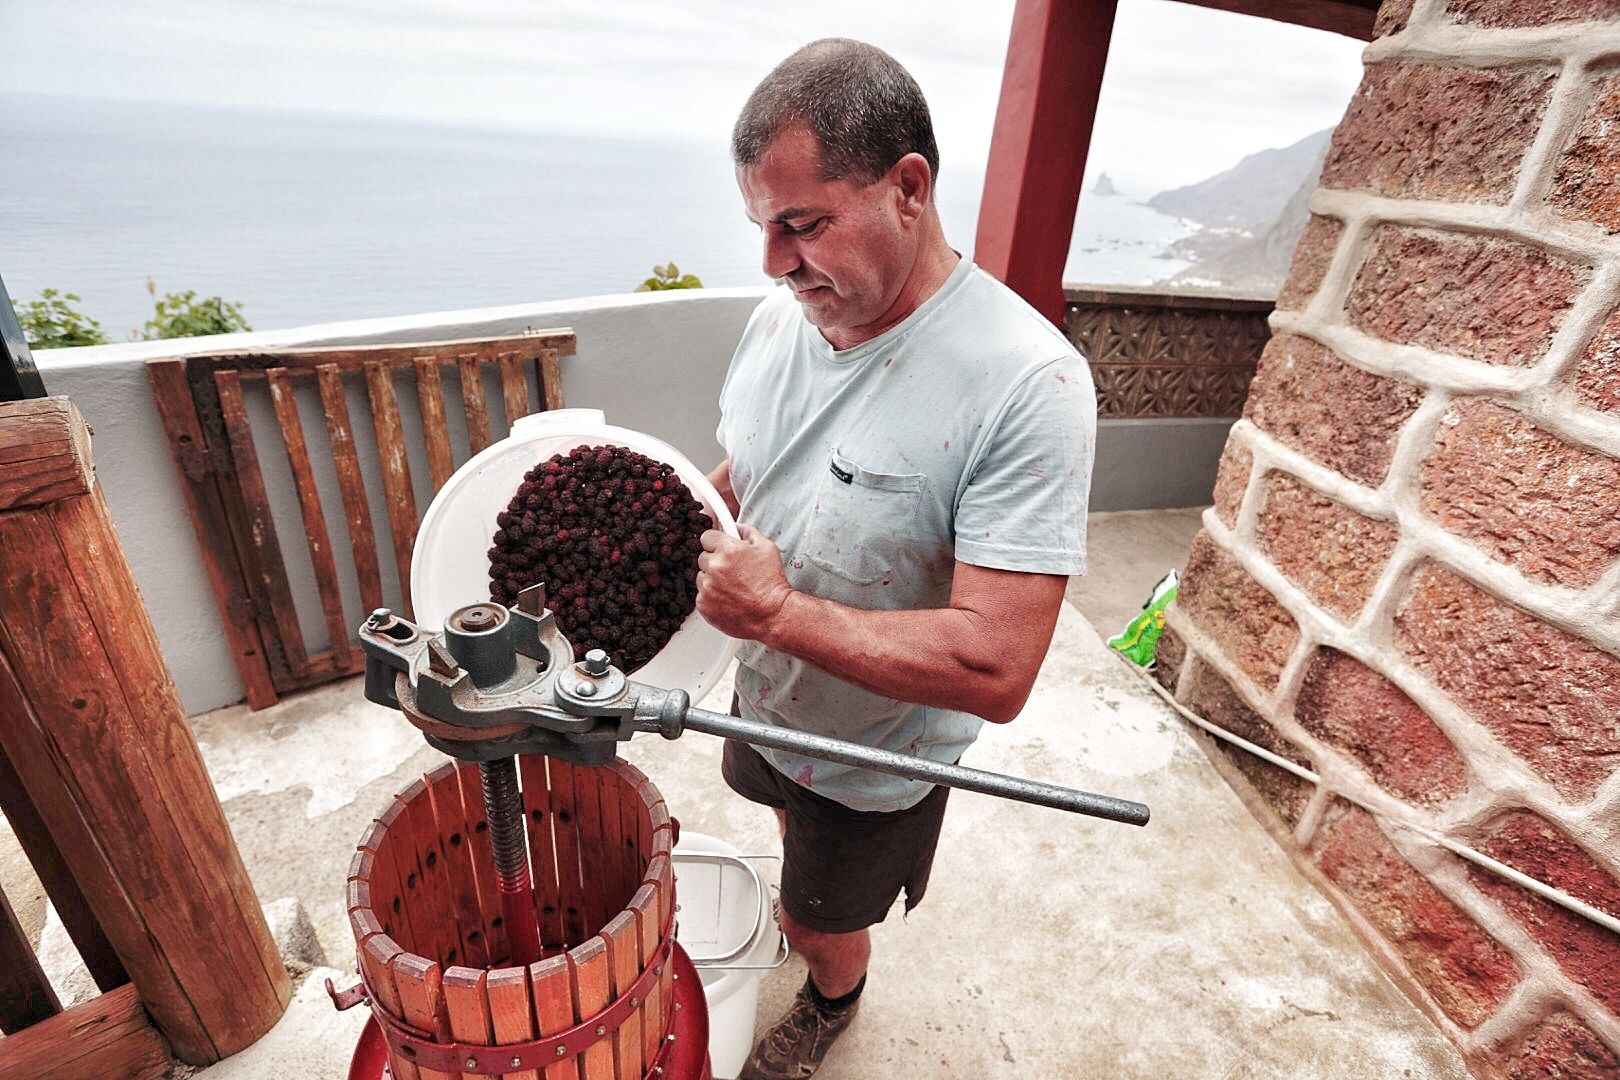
<point x="935" y="656"/>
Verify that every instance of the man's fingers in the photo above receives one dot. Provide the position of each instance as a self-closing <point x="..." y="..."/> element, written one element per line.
<point x="748" y="532"/>
<point x="713" y="539"/>
<point x="703" y="561"/>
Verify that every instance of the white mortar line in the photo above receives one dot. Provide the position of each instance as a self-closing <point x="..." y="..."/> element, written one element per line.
<point x="1535" y="885"/>
<point x="1576" y="241"/>
<point x="1398" y="361"/>
<point x="1565" y="108"/>
<point x="1460" y="45"/>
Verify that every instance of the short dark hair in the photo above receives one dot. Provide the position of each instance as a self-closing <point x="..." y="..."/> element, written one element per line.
<point x="865" y="110"/>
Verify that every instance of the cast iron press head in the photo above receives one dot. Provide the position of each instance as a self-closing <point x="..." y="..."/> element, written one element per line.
<point x="503" y="681"/>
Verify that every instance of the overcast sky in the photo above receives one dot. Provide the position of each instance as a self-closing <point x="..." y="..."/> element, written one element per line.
<point x="1187" y="92"/>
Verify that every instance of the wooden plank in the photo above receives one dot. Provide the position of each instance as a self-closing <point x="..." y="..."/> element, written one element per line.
<point x="483" y="859"/>
<point x="654" y="1018"/>
<point x="109" y="1036"/>
<point x="26" y="996"/>
<point x="472" y="400"/>
<point x="435" y="429"/>
<point x="44" y="453"/>
<point x="253" y="362"/>
<point x="319" y="540"/>
<point x="376" y="953"/>
<point x="551" y="985"/>
<point x="542" y="849"/>
<point x="599" y="902"/>
<point x="468" y="1007"/>
<point x="421" y="1000"/>
<point x="565" y="832"/>
<point x="510" y="1013"/>
<point x="444" y="788"/>
<point x="661" y="875"/>
<point x="261" y="524"/>
<point x="514" y="388"/>
<point x="356" y="508"/>
<point x="592" y="989"/>
<point x="551" y="391"/>
<point x="624" y="961"/>
<point x="617" y="883"/>
<point x="425" y="890"/>
<point x="396" y="473"/>
<point x="96" y="732"/>
<point x="66" y="897"/>
<point x="188" y="445"/>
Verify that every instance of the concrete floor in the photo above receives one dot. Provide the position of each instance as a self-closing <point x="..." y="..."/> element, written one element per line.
<point x="1049" y="945"/>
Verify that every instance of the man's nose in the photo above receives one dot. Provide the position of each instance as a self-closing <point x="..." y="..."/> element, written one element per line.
<point x="781" y="254"/>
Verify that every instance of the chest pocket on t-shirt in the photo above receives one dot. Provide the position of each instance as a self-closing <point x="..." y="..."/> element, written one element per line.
<point x="864" y="523"/>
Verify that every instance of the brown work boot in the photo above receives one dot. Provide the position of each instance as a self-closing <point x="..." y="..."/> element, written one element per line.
<point x="793" y="1049"/>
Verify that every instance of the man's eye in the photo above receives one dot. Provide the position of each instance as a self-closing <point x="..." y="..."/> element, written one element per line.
<point x="806" y="229"/>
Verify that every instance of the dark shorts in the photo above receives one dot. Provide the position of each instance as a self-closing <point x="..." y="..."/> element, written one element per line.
<point x="841" y="868"/>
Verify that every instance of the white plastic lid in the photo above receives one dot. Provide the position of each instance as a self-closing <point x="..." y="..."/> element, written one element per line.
<point x="449" y="567"/>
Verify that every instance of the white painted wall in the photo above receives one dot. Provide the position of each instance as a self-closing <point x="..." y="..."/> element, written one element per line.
<point x="652" y="361"/>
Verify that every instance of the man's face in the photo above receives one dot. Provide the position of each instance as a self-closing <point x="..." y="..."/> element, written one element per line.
<point x="839" y="245"/>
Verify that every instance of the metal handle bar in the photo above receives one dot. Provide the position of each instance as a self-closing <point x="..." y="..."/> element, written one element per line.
<point x="915" y="768"/>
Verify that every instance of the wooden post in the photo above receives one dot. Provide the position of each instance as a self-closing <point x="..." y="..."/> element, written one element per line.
<point x="90" y="721"/>
<point x="1032" y="181"/>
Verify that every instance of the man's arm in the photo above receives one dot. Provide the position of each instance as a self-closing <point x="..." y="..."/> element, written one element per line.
<point x="979" y="655"/>
<point x="720" y="477"/>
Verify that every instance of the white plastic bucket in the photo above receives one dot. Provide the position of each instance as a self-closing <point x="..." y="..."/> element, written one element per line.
<point x="725" y="924"/>
<point x="449" y="569"/>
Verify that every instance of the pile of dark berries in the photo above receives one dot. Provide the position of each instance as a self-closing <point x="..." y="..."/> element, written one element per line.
<point x="614" y="535"/>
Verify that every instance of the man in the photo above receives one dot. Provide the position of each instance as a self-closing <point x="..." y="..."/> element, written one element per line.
<point x="909" y="446"/>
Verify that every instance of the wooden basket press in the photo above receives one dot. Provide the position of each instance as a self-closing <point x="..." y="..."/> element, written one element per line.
<point x="430" y="937"/>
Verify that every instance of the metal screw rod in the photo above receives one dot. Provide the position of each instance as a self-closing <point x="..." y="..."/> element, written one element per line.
<point x="504" y="807"/>
<point x="915" y="768"/>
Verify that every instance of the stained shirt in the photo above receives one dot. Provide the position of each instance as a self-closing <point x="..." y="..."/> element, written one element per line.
<point x="965" y="433"/>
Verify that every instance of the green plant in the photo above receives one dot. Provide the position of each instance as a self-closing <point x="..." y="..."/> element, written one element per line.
<point x="52" y="322"/>
<point x="181" y="314"/>
<point x="669" y="277"/>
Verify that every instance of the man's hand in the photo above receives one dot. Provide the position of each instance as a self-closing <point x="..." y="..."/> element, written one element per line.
<point x="741" y="586"/>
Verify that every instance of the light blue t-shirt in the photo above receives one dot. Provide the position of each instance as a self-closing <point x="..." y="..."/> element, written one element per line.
<point x="964" y="433"/>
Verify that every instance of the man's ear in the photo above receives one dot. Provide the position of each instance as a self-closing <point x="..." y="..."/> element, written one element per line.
<point x="914" y="184"/>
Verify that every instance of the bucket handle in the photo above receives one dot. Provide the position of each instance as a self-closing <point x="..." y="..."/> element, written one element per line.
<point x="784" y="950"/>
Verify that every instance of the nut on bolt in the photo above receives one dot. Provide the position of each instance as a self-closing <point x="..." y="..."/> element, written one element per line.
<point x="596" y="662"/>
<point x="379" y="617"/>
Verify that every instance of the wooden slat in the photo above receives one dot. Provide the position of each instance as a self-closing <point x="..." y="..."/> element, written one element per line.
<point x="261" y="525"/>
<point x="661" y="875"/>
<point x="593" y="981"/>
<point x="483" y="859"/>
<point x="435" y="429"/>
<point x="542" y="850"/>
<point x="510" y="1013"/>
<point x="565" y="832"/>
<point x="66" y="897"/>
<point x="429" y="893"/>
<point x="421" y="1000"/>
<point x="26" y="996"/>
<point x="396" y="472"/>
<point x="376" y="953"/>
<point x="107" y="1036"/>
<point x="444" y="788"/>
<point x="654" y="1019"/>
<point x="550" y="982"/>
<point x="466" y="1003"/>
<point x="514" y="388"/>
<point x="599" y="902"/>
<point x="319" y="540"/>
<point x="551" y="391"/>
<point x="624" y="961"/>
<point x="188" y="445"/>
<point x="356" y="508"/>
<point x="44" y="453"/>
<point x="472" y="400"/>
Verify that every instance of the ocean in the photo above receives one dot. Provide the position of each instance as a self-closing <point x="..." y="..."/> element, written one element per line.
<point x="305" y="218"/>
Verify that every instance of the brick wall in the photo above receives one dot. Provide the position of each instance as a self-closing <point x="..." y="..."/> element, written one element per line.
<point x="1410" y="580"/>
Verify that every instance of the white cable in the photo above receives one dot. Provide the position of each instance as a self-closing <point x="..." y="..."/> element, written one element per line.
<point x="1518" y="877"/>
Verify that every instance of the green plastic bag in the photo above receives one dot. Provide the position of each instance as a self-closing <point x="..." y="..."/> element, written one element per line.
<point x="1138" y="640"/>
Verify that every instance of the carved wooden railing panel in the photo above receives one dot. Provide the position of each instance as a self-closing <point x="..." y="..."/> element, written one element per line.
<point x="1159" y="356"/>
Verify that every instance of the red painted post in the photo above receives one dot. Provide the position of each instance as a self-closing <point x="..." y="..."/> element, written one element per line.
<point x="1037" y="161"/>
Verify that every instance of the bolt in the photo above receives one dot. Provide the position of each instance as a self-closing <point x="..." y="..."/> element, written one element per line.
<point x="561" y="1051"/>
<point x="516" y="1062"/>
<point x="585" y="689"/>
<point x="635" y="1002"/>
<point x="601" y="1030"/>
<point x="379" y="617"/>
<point x="596" y="662"/>
<point x="472" y="1063"/>
<point x="669" y="1038"/>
